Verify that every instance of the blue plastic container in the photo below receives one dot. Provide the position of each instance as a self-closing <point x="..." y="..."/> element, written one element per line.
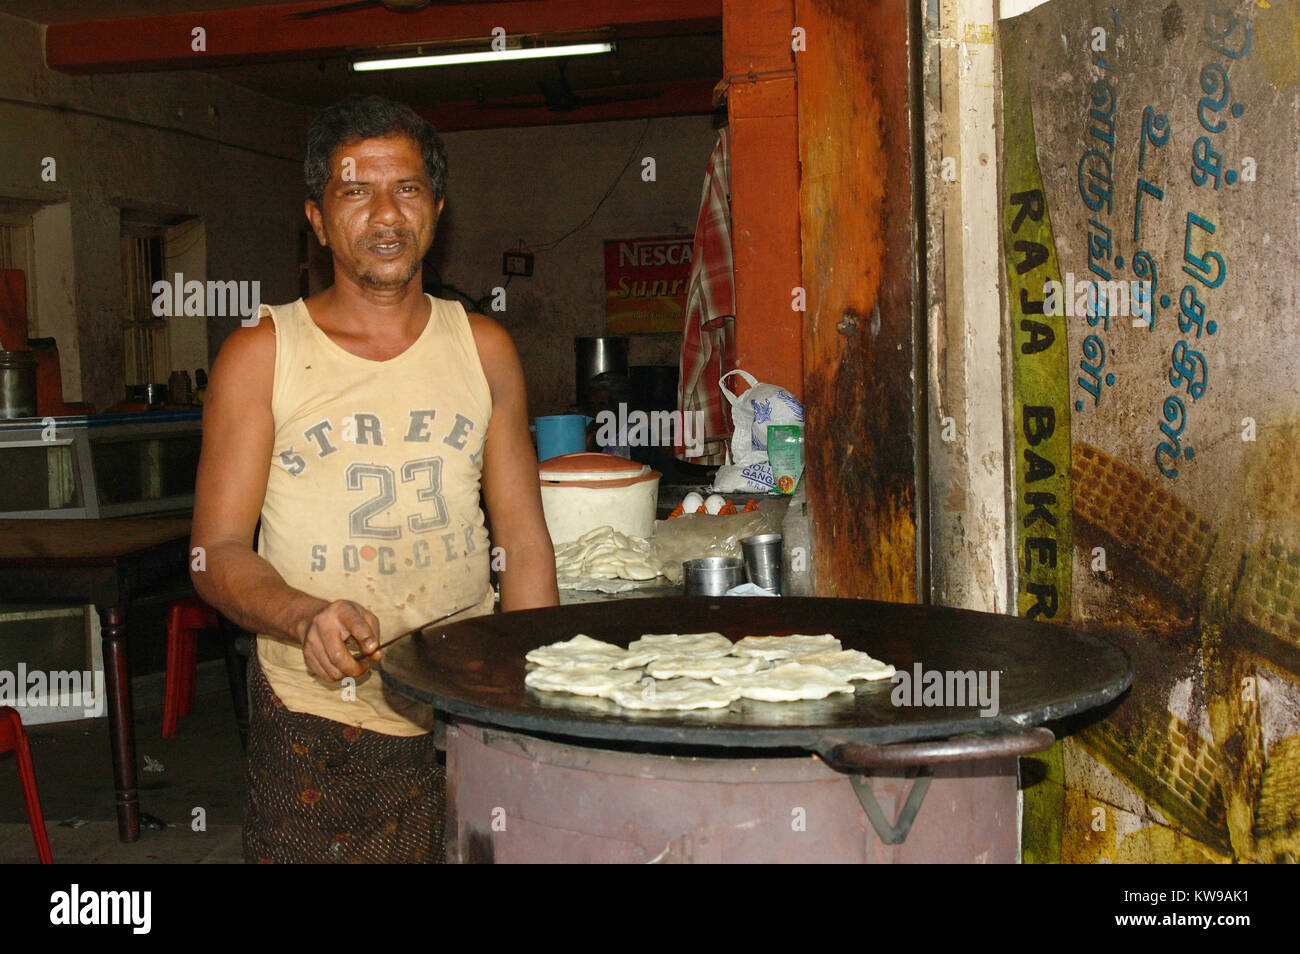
<point x="559" y="434"/>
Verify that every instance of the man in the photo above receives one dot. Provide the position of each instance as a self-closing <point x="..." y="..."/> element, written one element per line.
<point x="359" y="426"/>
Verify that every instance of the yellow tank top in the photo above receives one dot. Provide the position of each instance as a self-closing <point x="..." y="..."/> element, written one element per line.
<point x="373" y="495"/>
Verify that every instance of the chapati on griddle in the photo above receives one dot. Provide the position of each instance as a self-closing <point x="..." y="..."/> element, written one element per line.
<point x="790" y="683"/>
<point x="702" y="670"/>
<point x="702" y="667"/>
<point x="786" y="647"/>
<point x="850" y="664"/>
<point x="584" y="653"/>
<point x="676" y="694"/>
<point x="682" y="644"/>
<point x="580" y="682"/>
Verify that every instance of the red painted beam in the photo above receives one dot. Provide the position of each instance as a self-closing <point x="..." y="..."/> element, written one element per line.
<point x="251" y="34"/>
<point x="765" y="246"/>
<point x="679" y="98"/>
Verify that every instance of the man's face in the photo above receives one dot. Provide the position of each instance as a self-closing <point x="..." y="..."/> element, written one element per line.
<point x="378" y="212"/>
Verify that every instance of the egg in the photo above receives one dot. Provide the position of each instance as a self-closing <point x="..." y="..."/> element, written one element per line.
<point x="714" y="502"/>
<point x="692" y="502"/>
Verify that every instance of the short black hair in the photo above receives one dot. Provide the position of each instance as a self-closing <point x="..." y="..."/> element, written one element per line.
<point x="368" y="117"/>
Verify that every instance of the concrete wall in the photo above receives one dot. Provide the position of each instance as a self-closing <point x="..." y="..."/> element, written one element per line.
<point x="173" y="144"/>
<point x="537" y="184"/>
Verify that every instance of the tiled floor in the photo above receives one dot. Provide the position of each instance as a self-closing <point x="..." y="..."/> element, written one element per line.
<point x="201" y="768"/>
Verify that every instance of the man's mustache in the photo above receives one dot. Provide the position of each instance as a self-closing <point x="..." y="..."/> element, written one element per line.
<point x="373" y="240"/>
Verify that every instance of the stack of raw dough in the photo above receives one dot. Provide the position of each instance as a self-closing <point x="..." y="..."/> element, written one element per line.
<point x="606" y="554"/>
<point x="701" y="670"/>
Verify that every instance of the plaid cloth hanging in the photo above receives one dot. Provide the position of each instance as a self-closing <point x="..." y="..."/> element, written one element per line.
<point x="708" y="338"/>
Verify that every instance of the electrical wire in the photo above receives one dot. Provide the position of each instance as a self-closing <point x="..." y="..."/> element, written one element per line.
<point x="127" y="121"/>
<point x="201" y="234"/>
<point x="478" y="304"/>
<point x="547" y="246"/>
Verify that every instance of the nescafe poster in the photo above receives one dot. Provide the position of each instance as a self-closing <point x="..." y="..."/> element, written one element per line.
<point x="645" y="284"/>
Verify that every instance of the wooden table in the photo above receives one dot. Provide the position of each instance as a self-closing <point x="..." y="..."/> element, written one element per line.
<point x="107" y="563"/>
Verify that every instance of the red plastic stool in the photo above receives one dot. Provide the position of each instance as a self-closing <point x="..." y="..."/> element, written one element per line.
<point x="185" y="620"/>
<point x="13" y="737"/>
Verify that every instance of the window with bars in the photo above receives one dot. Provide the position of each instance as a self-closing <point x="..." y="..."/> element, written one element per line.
<point x="148" y="351"/>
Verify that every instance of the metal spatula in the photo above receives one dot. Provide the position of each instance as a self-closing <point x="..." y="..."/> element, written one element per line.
<point x="354" y="647"/>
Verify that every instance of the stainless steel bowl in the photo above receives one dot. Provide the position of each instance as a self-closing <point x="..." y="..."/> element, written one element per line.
<point x="712" y="576"/>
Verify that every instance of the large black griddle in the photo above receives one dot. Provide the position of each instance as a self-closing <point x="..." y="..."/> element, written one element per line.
<point x="474" y="670"/>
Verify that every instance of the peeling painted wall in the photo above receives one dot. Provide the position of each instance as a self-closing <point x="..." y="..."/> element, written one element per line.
<point x="1165" y="135"/>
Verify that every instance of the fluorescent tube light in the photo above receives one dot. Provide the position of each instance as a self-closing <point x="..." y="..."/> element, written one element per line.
<point x="484" y="56"/>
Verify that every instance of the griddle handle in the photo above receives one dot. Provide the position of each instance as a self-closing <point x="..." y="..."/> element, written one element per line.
<point x="854" y="757"/>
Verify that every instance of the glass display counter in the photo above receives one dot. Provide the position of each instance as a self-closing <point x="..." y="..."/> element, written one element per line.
<point x="103" y="465"/>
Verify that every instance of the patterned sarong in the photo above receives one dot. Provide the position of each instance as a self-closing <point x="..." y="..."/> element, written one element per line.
<point x="324" y="792"/>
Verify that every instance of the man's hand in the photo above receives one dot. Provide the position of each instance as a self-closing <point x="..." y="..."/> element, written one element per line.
<point x="325" y="634"/>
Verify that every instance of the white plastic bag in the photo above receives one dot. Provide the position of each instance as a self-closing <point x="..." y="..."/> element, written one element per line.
<point x="753" y="411"/>
<point x="753" y="478"/>
<point x="749" y="470"/>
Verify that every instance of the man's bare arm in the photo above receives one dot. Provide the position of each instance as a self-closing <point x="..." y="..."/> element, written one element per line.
<point x="511" y="492"/>
<point x="238" y="440"/>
